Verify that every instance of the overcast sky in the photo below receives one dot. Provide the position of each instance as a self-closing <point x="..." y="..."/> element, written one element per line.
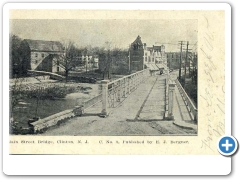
<point x="120" y="33"/>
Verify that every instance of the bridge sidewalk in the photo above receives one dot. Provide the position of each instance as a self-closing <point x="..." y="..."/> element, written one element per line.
<point x="182" y="117"/>
<point x="153" y="108"/>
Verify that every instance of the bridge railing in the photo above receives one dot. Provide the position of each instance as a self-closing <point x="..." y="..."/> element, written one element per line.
<point x="111" y="94"/>
<point x="83" y="105"/>
<point x="188" y="102"/>
<point x="114" y="92"/>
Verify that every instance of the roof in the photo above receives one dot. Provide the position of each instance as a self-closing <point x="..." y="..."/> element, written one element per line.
<point x="152" y="67"/>
<point x="160" y="66"/>
<point x="40" y="45"/>
<point x="149" y="48"/>
<point x="138" y="40"/>
<point x="157" y="48"/>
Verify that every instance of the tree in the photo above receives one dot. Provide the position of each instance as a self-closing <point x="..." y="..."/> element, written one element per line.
<point x="112" y="60"/>
<point x="194" y="70"/>
<point x="67" y="60"/>
<point x="120" y="61"/>
<point x="14" y="44"/>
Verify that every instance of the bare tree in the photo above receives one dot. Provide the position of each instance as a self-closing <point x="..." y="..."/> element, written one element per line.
<point x="107" y="55"/>
<point x="67" y="60"/>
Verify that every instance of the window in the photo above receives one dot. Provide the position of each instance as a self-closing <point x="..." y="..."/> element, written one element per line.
<point x="36" y="61"/>
<point x="42" y="55"/>
<point x="36" y="54"/>
<point x="134" y="46"/>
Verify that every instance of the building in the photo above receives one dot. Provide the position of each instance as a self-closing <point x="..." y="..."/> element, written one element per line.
<point x="155" y="57"/>
<point x="40" y="55"/>
<point x="88" y="62"/>
<point x="142" y="57"/>
<point x="136" y="53"/>
<point x="173" y="59"/>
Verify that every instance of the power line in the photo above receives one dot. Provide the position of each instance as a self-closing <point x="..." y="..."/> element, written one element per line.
<point x="176" y="44"/>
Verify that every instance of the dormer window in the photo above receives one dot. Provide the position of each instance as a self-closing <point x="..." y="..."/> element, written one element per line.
<point x="42" y="55"/>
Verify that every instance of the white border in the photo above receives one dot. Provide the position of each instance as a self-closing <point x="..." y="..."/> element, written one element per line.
<point x="121" y="6"/>
<point x="115" y="165"/>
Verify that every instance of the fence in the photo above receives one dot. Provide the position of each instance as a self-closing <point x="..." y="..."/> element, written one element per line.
<point x="89" y="103"/>
<point x="121" y="88"/>
<point x="55" y="119"/>
<point x="113" y="93"/>
<point x="188" y="102"/>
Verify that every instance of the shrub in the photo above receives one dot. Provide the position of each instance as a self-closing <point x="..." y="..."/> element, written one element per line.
<point x="47" y="93"/>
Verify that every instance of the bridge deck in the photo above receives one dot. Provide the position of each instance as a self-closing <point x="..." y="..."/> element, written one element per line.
<point x="139" y="114"/>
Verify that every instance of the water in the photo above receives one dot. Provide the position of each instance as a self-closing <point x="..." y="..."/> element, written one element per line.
<point x="26" y="109"/>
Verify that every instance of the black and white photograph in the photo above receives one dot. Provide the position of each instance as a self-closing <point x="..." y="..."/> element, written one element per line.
<point x="103" y="77"/>
<point x="117" y="89"/>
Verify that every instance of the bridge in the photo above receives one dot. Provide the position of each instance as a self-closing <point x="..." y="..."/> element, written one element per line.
<point x="137" y="104"/>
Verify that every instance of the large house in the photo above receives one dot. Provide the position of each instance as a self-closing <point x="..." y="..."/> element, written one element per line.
<point x="40" y="55"/>
<point x="154" y="57"/>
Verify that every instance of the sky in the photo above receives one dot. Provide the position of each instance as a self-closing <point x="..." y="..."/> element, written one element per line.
<point x="121" y="33"/>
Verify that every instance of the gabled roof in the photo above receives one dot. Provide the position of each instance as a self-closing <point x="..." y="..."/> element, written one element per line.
<point x="40" y="45"/>
<point x="138" y="41"/>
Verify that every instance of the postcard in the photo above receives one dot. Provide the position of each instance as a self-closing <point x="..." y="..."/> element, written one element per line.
<point x="102" y="80"/>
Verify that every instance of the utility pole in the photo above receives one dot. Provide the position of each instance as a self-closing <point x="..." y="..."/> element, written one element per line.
<point x="189" y="65"/>
<point x="180" y="64"/>
<point x="186" y="60"/>
<point x="129" y="70"/>
<point x="86" y="63"/>
<point x="185" y="65"/>
<point x="169" y="59"/>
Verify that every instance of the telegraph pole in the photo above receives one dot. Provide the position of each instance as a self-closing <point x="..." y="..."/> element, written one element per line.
<point x="86" y="63"/>
<point x="129" y="69"/>
<point x="185" y="68"/>
<point x="185" y="65"/>
<point x="189" y="65"/>
<point x="180" y="64"/>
